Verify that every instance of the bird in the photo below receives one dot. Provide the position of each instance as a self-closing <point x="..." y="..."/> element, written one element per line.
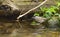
<point x="39" y="19"/>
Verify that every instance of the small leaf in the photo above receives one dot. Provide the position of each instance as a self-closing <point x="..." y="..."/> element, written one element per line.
<point x="44" y="9"/>
<point x="36" y="14"/>
<point x="46" y="15"/>
<point x="58" y="3"/>
<point x="33" y="23"/>
<point x="57" y="14"/>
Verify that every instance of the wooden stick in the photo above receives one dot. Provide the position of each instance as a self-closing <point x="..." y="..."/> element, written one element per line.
<point x="14" y="7"/>
<point x="31" y="10"/>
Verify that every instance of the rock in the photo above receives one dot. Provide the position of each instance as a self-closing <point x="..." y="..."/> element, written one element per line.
<point x="53" y="23"/>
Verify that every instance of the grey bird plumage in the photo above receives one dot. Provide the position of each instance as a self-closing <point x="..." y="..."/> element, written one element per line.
<point x="39" y="19"/>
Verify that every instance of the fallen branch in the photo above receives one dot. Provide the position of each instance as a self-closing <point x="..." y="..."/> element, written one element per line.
<point x="10" y="3"/>
<point x="31" y="10"/>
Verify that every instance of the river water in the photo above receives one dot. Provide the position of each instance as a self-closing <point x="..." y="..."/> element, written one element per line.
<point x="9" y="29"/>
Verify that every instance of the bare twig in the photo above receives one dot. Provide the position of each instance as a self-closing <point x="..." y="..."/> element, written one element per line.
<point x="31" y="9"/>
